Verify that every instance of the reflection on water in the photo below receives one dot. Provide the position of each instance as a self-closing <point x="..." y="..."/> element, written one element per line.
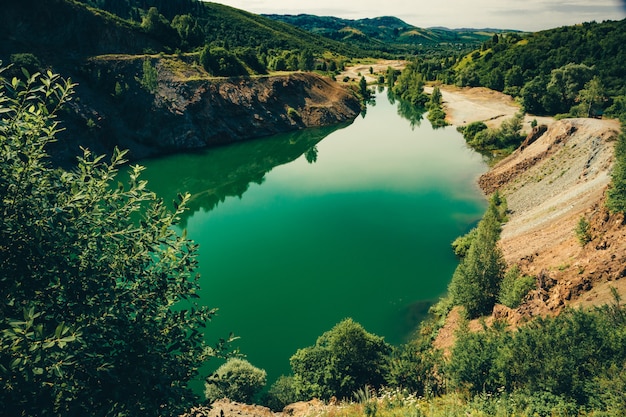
<point x="212" y="175"/>
<point x="296" y="233"/>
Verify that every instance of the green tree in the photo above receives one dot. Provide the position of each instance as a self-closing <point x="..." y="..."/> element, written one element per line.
<point x="591" y="97"/>
<point x="188" y="29"/>
<point x="97" y="314"/>
<point x="149" y="77"/>
<point x="306" y="60"/>
<point x="616" y="195"/>
<point x="514" y="287"/>
<point x="220" y="62"/>
<point x="409" y="85"/>
<point x="156" y="25"/>
<point x="476" y="280"/>
<point x="363" y="91"/>
<point x="461" y="244"/>
<point x="237" y="379"/>
<point x="342" y="360"/>
<point x="281" y="393"/>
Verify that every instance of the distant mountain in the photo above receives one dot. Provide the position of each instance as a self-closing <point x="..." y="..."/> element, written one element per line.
<point x="385" y="33"/>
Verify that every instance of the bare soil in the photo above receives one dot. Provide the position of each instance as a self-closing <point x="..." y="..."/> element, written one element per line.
<point x="354" y="73"/>
<point x="556" y="178"/>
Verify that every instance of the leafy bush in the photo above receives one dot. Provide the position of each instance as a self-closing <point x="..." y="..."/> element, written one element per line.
<point x="568" y="357"/>
<point x="27" y="61"/>
<point x="89" y="273"/>
<point x="506" y="137"/>
<point x="514" y="287"/>
<point x="461" y="244"/>
<point x="281" y="393"/>
<point x="470" y="130"/>
<point x="416" y="370"/>
<point x="220" y="62"/>
<point x="237" y="380"/>
<point x="409" y="85"/>
<point x="342" y="360"/>
<point x="475" y="282"/>
<point x="616" y="195"/>
<point x="149" y="78"/>
<point x="437" y="117"/>
<point x="582" y="231"/>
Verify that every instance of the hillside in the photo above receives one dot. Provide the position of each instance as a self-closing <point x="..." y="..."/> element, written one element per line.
<point x="386" y="33"/>
<point x="546" y="70"/>
<point x="137" y="90"/>
<point x="556" y="178"/>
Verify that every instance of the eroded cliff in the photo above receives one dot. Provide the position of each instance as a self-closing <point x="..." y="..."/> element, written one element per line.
<point x="184" y="108"/>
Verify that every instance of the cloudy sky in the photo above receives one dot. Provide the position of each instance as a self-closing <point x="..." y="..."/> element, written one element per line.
<point x="528" y="15"/>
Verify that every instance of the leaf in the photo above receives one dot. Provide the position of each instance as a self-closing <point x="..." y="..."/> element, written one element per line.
<point x="23" y="157"/>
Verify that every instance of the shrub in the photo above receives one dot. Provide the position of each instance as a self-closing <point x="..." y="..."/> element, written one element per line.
<point x="461" y="244"/>
<point x="27" y="61"/>
<point x="281" y="393"/>
<point x="88" y="274"/>
<point x="220" y="62"/>
<point x="237" y="380"/>
<point x="583" y="232"/>
<point x="342" y="360"/>
<point x="475" y="282"/>
<point x="293" y="114"/>
<point x="514" y="287"/>
<point x="149" y="78"/>
<point x="616" y="195"/>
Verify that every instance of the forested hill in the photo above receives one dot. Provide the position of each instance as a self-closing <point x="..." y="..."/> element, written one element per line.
<point x="92" y="27"/>
<point x="125" y="56"/>
<point x="386" y="33"/>
<point x="549" y="69"/>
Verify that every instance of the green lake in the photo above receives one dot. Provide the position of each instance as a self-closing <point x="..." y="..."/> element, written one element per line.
<point x="301" y="230"/>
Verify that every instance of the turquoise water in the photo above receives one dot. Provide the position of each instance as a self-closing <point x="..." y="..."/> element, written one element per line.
<point x="299" y="231"/>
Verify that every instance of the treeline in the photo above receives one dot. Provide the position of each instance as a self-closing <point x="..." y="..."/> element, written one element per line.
<point x="191" y="24"/>
<point x="576" y="70"/>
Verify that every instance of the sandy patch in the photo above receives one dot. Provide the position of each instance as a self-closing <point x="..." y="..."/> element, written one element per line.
<point x="354" y="73"/>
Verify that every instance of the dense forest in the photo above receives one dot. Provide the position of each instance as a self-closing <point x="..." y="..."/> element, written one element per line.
<point x="389" y="34"/>
<point x="575" y="70"/>
<point x="98" y="313"/>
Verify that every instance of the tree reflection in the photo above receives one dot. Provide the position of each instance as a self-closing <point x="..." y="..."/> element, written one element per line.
<point x="212" y="175"/>
<point x="414" y="114"/>
<point x="311" y="155"/>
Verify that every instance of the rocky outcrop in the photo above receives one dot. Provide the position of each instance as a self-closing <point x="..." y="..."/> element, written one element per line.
<point x="187" y="109"/>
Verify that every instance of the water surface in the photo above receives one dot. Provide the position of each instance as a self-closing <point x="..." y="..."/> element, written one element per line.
<point x="299" y="231"/>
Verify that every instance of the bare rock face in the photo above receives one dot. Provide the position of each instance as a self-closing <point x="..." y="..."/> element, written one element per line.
<point x="188" y="109"/>
<point x="557" y="180"/>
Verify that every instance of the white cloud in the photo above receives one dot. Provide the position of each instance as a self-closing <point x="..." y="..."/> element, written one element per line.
<point x="505" y="14"/>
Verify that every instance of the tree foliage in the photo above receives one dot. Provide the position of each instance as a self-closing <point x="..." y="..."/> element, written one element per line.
<point x="573" y="356"/>
<point x="549" y="70"/>
<point x="616" y="195"/>
<point x="514" y="287"/>
<point x="97" y="314"/>
<point x="476" y="280"/>
<point x="237" y="379"/>
<point x="342" y="360"/>
<point x="409" y="85"/>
